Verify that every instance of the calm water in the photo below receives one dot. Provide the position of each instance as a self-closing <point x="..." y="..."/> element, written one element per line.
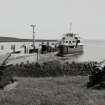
<point x="93" y="51"/>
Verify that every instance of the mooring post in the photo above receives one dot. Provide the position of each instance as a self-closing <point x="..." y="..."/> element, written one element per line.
<point x="37" y="55"/>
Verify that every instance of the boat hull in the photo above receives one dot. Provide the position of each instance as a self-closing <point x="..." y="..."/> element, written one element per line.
<point x="68" y="50"/>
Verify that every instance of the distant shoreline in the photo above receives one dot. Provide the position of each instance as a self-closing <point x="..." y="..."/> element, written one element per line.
<point x="12" y="39"/>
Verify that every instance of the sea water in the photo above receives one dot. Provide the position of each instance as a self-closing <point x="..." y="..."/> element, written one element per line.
<point x="94" y="50"/>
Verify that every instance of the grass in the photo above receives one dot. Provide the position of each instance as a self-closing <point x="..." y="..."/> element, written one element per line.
<point x="52" y="91"/>
<point x="48" y="69"/>
<point x="50" y="88"/>
<point x="45" y="69"/>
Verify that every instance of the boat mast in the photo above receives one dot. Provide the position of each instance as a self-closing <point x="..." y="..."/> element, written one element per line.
<point x="70" y="26"/>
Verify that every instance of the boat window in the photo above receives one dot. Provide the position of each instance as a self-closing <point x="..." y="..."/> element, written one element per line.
<point x="53" y="44"/>
<point x="69" y="41"/>
<point x="71" y="46"/>
<point x="71" y="35"/>
<point x="66" y="41"/>
<point x="73" y="41"/>
<point x="76" y="37"/>
<point x="78" y="41"/>
<point x="63" y="38"/>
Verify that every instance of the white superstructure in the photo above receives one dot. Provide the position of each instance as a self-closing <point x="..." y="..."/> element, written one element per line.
<point x="70" y="39"/>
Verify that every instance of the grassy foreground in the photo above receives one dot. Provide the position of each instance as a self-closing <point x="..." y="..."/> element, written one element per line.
<point x="45" y="69"/>
<point x="52" y="91"/>
<point x="49" y="69"/>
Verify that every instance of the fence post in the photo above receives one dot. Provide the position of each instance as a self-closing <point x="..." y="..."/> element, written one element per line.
<point x="37" y="55"/>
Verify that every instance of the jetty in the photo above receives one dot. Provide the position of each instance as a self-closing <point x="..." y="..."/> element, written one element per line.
<point x="3" y="61"/>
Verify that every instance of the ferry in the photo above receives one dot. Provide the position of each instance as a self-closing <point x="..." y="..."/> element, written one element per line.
<point x="70" y="43"/>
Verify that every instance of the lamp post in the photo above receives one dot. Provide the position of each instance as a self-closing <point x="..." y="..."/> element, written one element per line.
<point x="33" y="26"/>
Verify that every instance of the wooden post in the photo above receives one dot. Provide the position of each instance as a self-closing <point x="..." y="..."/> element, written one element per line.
<point x="37" y="55"/>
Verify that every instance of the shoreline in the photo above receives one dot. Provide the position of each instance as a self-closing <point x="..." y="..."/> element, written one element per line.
<point x="32" y="58"/>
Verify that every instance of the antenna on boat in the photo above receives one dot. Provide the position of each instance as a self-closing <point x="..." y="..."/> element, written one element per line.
<point x="70" y="27"/>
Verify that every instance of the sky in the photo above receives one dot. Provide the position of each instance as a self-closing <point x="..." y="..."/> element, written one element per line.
<point x="52" y="18"/>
